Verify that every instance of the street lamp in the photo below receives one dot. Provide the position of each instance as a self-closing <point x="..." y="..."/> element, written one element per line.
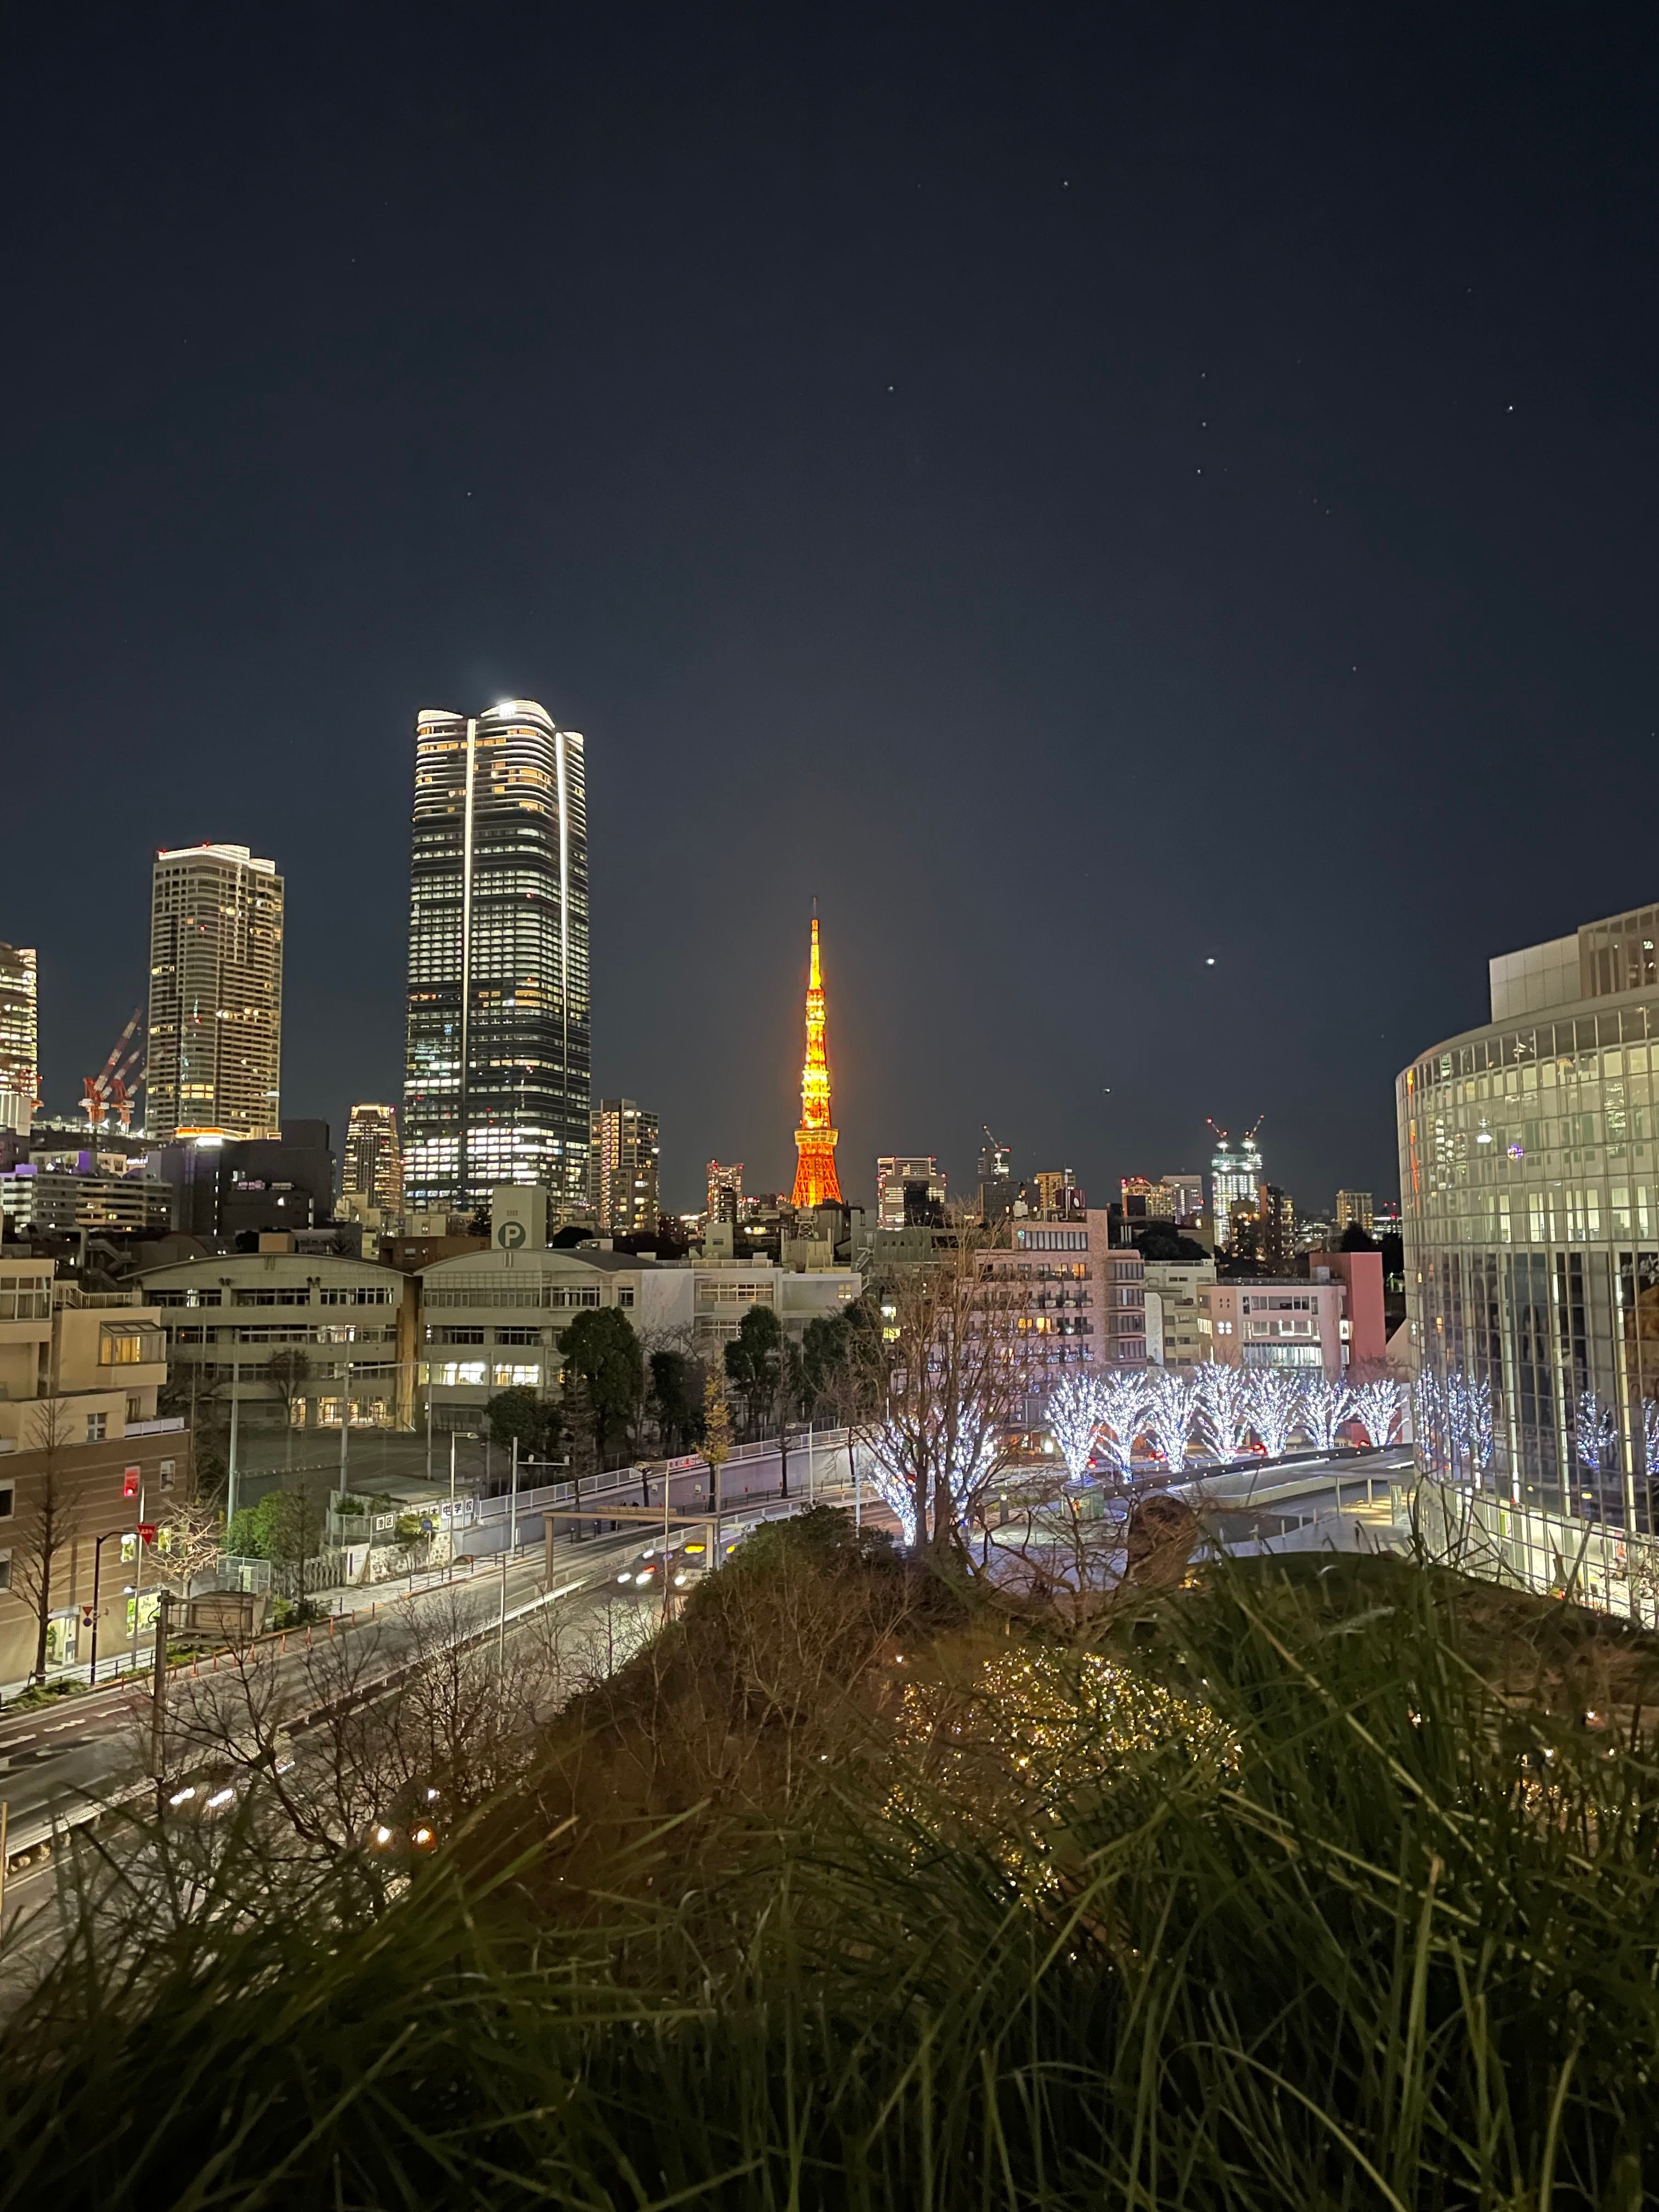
<point x="97" y="1564"/>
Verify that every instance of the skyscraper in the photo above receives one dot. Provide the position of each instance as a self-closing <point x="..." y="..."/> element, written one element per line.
<point x="215" y="995"/>
<point x="373" y="1172"/>
<point x="1236" y="1180"/>
<point x="496" y="1084"/>
<point x="20" y="1052"/>
<point x="815" y="1181"/>
<point x="725" y="1191"/>
<point x="996" y="1180"/>
<point x="1354" y="1209"/>
<point x="622" y="1166"/>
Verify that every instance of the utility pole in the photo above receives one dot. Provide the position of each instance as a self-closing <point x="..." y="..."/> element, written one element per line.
<point x="345" y="1424"/>
<point x="137" y="1571"/>
<point x="451" y="1505"/>
<point x="97" y="1564"/>
<point x="501" y="1624"/>
<point x="235" y="1409"/>
<point x="158" y="1702"/>
<point x="513" y="1508"/>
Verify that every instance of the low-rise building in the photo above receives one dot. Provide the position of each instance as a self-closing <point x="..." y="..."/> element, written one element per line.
<point x="300" y="1337"/>
<point x="910" y="1191"/>
<point x="86" y="1463"/>
<point x="491" y="1320"/>
<point x="1277" y="1324"/>
<point x="1177" y="1332"/>
<point x="51" y="1200"/>
<point x="1080" y="1300"/>
<point x="1360" y="1274"/>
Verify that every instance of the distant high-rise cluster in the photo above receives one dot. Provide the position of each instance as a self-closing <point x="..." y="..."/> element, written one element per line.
<point x="20" y="1049"/>
<point x="499" y="1050"/>
<point x="215" y="995"/>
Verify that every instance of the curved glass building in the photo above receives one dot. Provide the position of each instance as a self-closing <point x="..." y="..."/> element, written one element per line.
<point x="1529" y="1188"/>
<point x="497" y="1074"/>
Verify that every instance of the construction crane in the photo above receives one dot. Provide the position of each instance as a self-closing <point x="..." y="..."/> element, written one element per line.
<point x="111" y="1091"/>
<point x="1249" y="1137"/>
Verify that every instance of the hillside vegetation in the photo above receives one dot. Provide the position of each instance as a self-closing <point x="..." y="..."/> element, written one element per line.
<point x="1313" y="1884"/>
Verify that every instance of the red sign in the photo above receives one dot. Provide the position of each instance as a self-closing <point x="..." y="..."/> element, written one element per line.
<point x="147" y="1531"/>
<point x="86" y="1616"/>
<point x="129" y="1482"/>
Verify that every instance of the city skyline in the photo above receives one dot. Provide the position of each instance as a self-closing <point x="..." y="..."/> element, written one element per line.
<point x="1231" y="596"/>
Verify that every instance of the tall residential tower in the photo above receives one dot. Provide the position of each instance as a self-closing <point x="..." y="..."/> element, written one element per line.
<point x="622" y="1166"/>
<point x="373" y="1171"/>
<point x="20" y="1051"/>
<point x="496" y="1083"/>
<point x="215" y="995"/>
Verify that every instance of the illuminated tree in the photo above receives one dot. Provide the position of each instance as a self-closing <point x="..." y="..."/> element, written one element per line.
<point x="1325" y="1406"/>
<point x="1428" y="1421"/>
<point x="1074" y="1414"/>
<point x="1169" y="1414"/>
<point x="1224" y="1397"/>
<point x="954" y="1375"/>
<point x="1275" y="1403"/>
<point x="1122" y="1401"/>
<point x="1596" y="1433"/>
<point x="1475" y="1416"/>
<point x="1378" y="1407"/>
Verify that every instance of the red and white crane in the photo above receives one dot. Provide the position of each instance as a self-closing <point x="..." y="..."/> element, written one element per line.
<point x="112" y="1090"/>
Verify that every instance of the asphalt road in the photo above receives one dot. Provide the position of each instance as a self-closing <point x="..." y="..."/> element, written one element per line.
<point x="60" y="1767"/>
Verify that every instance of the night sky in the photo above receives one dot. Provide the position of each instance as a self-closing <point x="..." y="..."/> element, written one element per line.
<point x="1081" y="491"/>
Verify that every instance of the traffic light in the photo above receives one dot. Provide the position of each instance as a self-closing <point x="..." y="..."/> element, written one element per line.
<point x="129" y="1483"/>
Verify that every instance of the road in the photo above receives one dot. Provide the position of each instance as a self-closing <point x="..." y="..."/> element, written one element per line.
<point x="59" y="1768"/>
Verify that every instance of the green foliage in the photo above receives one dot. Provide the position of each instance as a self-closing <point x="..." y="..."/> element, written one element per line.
<point x="842" y="1363"/>
<point x="754" y="1363"/>
<point x="1399" y="1947"/>
<point x="600" y="1345"/>
<point x="677" y="1399"/>
<point x="44" y="1693"/>
<point x="284" y="1527"/>
<point x="294" y="1613"/>
<point x="523" y="1414"/>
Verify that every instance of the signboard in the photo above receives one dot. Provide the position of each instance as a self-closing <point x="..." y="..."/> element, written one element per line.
<point x="518" y="1217"/>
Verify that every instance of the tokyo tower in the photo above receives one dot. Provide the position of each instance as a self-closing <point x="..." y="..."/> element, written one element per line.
<point x="815" y="1181"/>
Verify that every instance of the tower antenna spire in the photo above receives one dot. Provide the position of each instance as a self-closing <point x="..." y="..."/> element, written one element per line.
<point x="815" y="1181"/>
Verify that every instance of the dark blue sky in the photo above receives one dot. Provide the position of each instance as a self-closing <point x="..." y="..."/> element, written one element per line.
<point x="1080" y="490"/>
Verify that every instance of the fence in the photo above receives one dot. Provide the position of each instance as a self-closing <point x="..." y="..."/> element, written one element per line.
<point x="1527" y="1548"/>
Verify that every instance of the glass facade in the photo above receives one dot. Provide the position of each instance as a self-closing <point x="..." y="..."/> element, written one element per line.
<point x="497" y="1075"/>
<point x="1529" y="1182"/>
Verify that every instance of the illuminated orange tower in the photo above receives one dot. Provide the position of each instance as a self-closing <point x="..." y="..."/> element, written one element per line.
<point x="815" y="1181"/>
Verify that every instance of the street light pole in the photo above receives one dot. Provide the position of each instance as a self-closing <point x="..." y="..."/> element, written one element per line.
<point x="345" y="1424"/>
<point x="97" y="1564"/>
<point x="235" y="1409"/>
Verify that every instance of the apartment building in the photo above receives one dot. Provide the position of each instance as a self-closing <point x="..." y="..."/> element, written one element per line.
<point x="85" y="1464"/>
